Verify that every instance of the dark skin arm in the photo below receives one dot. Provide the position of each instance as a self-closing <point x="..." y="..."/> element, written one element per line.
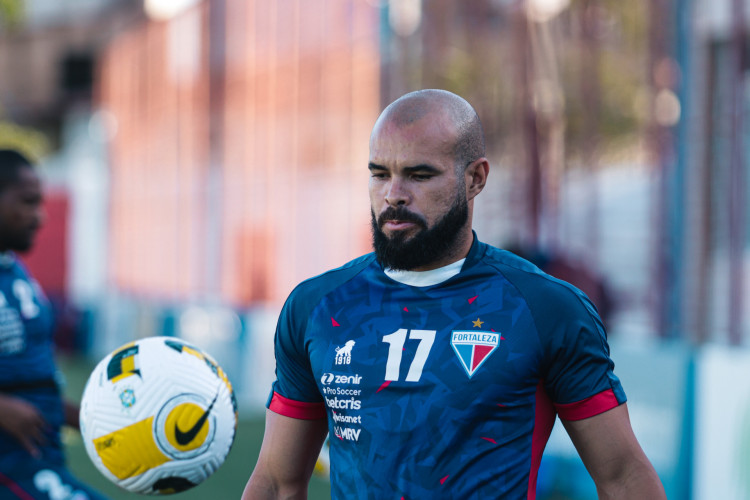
<point x="613" y="457"/>
<point x="23" y="421"/>
<point x="287" y="458"/>
<point x="26" y="424"/>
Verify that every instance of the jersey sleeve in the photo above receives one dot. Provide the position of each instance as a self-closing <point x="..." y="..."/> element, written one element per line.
<point x="578" y="371"/>
<point x="575" y="367"/>
<point x="295" y="393"/>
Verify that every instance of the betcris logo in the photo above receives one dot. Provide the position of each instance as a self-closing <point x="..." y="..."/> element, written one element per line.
<point x="330" y="378"/>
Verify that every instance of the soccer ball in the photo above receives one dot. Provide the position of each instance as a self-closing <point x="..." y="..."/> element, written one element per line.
<point x="158" y="416"/>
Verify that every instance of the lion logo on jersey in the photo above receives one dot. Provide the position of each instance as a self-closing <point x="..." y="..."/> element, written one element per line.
<point x="344" y="354"/>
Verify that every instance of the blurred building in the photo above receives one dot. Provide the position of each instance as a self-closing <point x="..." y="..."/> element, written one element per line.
<point x="239" y="128"/>
<point x="236" y="130"/>
<point x="202" y="164"/>
<point x="48" y="56"/>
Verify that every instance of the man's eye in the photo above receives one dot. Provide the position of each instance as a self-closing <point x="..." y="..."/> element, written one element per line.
<point x="420" y="177"/>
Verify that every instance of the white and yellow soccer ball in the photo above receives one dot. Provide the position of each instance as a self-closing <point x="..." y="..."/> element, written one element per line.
<point x="158" y="416"/>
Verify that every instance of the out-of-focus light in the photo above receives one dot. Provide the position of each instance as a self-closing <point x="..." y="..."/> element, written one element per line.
<point x="161" y="10"/>
<point x="667" y="108"/>
<point x="404" y="16"/>
<point x="201" y="325"/>
<point x="103" y="126"/>
<point x="543" y="10"/>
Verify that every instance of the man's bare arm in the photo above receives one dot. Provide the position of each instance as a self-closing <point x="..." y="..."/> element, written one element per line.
<point x="23" y="421"/>
<point x="613" y="457"/>
<point x="287" y="458"/>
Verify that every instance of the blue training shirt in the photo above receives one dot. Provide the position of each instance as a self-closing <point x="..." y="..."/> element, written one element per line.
<point x="443" y="391"/>
<point x="27" y="367"/>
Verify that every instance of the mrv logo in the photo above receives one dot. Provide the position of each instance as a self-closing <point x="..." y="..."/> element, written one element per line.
<point x="330" y="378"/>
<point x="347" y="433"/>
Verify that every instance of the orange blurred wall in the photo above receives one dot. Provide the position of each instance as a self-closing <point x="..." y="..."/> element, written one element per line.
<point x="239" y="163"/>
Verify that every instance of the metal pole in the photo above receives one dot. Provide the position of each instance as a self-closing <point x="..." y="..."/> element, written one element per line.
<point x="213" y="228"/>
<point x="530" y="133"/>
<point x="660" y="141"/>
<point x="590" y="96"/>
<point x="737" y="174"/>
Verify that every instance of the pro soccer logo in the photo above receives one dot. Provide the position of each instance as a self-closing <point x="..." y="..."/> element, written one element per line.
<point x="473" y="348"/>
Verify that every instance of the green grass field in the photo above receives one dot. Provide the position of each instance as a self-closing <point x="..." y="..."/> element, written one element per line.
<point x="227" y="483"/>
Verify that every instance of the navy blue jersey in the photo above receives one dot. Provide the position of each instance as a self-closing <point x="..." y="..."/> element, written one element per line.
<point x="27" y="367"/>
<point x="443" y="391"/>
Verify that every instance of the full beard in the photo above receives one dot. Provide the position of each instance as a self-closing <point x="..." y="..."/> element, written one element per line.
<point x="429" y="245"/>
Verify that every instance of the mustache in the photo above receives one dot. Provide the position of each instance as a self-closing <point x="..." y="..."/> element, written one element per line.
<point x="401" y="214"/>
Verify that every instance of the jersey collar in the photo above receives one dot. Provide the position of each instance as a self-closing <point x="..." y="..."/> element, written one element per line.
<point x="441" y="274"/>
<point x="7" y="259"/>
<point x="426" y="278"/>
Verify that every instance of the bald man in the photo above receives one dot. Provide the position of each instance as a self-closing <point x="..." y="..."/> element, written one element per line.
<point x="438" y="363"/>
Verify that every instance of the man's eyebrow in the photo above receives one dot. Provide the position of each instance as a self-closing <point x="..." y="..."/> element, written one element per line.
<point x="374" y="166"/>
<point x="421" y="168"/>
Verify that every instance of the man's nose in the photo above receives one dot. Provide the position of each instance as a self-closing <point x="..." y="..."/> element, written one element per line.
<point x="397" y="194"/>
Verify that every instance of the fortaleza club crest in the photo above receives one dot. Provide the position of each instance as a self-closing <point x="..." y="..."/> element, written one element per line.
<point x="473" y="348"/>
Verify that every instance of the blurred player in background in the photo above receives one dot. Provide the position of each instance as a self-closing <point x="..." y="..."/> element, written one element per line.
<point x="32" y="410"/>
<point x="438" y="363"/>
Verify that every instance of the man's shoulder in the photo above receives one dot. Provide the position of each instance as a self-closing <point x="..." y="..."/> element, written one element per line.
<point x="515" y="268"/>
<point x="534" y="284"/>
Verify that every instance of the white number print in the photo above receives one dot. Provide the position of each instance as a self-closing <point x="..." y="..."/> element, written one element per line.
<point x="396" y="341"/>
<point x="25" y="295"/>
<point x="50" y="482"/>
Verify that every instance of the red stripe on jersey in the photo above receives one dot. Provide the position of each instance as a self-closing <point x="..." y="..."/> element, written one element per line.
<point x="15" y="488"/>
<point x="544" y="419"/>
<point x="296" y="409"/>
<point x="589" y="407"/>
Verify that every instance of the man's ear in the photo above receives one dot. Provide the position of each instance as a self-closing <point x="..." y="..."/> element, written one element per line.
<point x="476" y="177"/>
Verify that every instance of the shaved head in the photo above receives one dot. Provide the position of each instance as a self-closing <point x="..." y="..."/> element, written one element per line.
<point x="427" y="163"/>
<point x="453" y="111"/>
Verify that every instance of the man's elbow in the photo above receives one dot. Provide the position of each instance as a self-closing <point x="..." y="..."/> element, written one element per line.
<point x="634" y="478"/>
<point x="264" y="487"/>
